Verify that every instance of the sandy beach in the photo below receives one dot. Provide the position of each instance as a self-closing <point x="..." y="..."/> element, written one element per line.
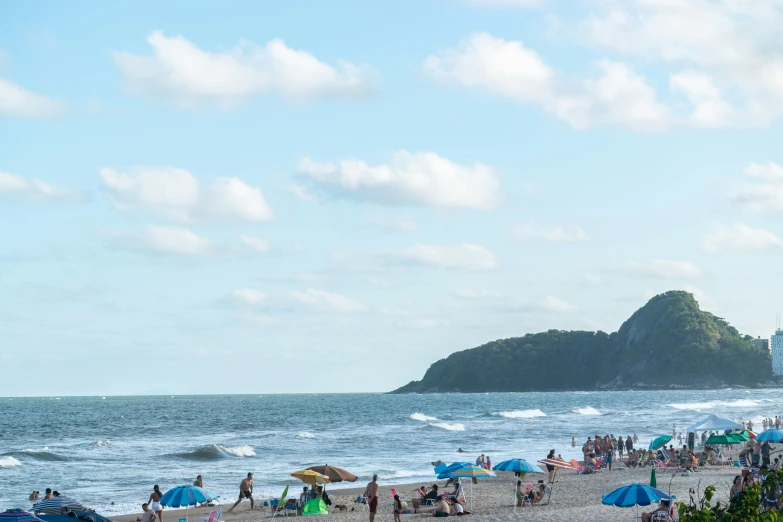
<point x="574" y="497"/>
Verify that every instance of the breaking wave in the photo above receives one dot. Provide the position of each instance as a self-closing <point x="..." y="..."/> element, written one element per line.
<point x="457" y="426"/>
<point x="739" y="403"/>
<point x="214" y="451"/>
<point x="44" y="454"/>
<point x="403" y="473"/>
<point x="305" y="435"/>
<point x="520" y="414"/>
<point x="9" y="462"/>
<point x="421" y="417"/>
<point x="587" y="410"/>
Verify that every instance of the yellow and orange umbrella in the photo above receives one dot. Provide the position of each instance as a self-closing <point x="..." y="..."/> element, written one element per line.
<point x="310" y="477"/>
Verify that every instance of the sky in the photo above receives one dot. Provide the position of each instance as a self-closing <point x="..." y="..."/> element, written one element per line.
<point x="299" y="197"/>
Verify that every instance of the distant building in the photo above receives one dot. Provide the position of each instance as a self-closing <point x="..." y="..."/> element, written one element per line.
<point x="762" y="343"/>
<point x="777" y="353"/>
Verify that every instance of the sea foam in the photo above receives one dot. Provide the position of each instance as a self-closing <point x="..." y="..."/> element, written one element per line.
<point x="739" y="403"/>
<point x="421" y="417"/>
<point x="457" y="426"/>
<point x="305" y="435"/>
<point x="520" y="414"/>
<point x="587" y="410"/>
<point x="9" y="462"/>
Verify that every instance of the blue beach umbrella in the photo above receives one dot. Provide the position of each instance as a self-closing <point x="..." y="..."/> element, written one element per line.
<point x="517" y="466"/>
<point x="634" y="495"/>
<point x="187" y="495"/>
<point x="443" y="471"/>
<point x="770" y="436"/>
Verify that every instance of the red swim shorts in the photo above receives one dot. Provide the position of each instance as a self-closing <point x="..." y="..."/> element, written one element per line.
<point x="374" y="505"/>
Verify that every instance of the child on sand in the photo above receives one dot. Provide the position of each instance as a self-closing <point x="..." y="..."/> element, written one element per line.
<point x="397" y="508"/>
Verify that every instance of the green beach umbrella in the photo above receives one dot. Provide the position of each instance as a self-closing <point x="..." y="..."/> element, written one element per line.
<point x="653" y="481"/>
<point x="730" y="438"/>
<point x="660" y="442"/>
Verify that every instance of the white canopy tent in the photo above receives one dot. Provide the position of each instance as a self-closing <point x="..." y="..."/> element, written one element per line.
<point x="714" y="423"/>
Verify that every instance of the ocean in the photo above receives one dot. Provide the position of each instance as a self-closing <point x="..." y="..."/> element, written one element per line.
<point x="108" y="452"/>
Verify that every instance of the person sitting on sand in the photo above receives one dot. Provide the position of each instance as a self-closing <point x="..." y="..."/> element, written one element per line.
<point x="736" y="487"/>
<point x="633" y="459"/>
<point x="536" y="495"/>
<point x="147" y="515"/>
<point x="304" y="496"/>
<point x="663" y="507"/>
<point x="430" y="496"/>
<point x="590" y="462"/>
<point x="521" y="493"/>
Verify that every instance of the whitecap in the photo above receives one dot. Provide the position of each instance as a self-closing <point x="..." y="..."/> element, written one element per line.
<point x="739" y="403"/>
<point x="9" y="462"/>
<point x="305" y="435"/>
<point x="421" y="417"/>
<point x="457" y="426"/>
<point x="106" y="442"/>
<point x="520" y="414"/>
<point x="239" y="451"/>
<point x="587" y="410"/>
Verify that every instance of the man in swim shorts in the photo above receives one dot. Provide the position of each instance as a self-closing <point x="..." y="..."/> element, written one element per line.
<point x="147" y="515"/>
<point x="372" y="497"/>
<point x="245" y="491"/>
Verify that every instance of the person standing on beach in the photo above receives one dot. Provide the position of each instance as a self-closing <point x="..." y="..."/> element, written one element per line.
<point x="628" y="444"/>
<point x="371" y="493"/>
<point x="154" y="502"/>
<point x="245" y="491"/>
<point x="620" y="446"/>
<point x="550" y="468"/>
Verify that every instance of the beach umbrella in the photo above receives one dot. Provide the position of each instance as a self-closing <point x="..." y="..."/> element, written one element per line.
<point x="57" y="505"/>
<point x="443" y="471"/>
<point x="770" y="436"/>
<point x="334" y="474"/>
<point x="731" y="438"/>
<point x="653" y="480"/>
<point x="187" y="495"/>
<point x="557" y="463"/>
<point x="18" y="515"/>
<point x="519" y="466"/>
<point x="280" y="501"/>
<point x="634" y="495"/>
<point x="471" y="472"/>
<point x="311" y="477"/>
<point x="660" y="442"/>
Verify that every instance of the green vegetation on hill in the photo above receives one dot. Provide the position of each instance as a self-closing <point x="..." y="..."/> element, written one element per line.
<point x="669" y="341"/>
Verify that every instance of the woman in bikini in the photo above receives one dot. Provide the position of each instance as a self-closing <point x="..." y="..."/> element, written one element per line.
<point x="154" y="502"/>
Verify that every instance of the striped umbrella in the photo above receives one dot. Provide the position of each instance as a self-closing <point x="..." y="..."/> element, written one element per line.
<point x="58" y="505"/>
<point x="557" y="463"/>
<point x="770" y="436"/>
<point x="17" y="515"/>
<point x="471" y="472"/>
<point x="520" y="466"/>
<point x="187" y="495"/>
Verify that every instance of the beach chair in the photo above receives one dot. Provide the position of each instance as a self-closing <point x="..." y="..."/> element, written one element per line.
<point x="660" y="516"/>
<point x="363" y="503"/>
<point x="214" y="516"/>
<point x="576" y="465"/>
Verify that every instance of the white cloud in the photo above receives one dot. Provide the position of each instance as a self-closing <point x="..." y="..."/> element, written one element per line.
<point x="554" y="233"/>
<point x="666" y="269"/>
<point x="734" y="43"/>
<point x="739" y="237"/>
<point x="181" y="73"/>
<point x="326" y="301"/>
<point x="301" y="192"/>
<point x="17" y="102"/>
<point x="257" y="244"/>
<point x="764" y="194"/>
<point x="709" y="107"/>
<point x="177" y="241"/>
<point x="423" y="178"/>
<point x="458" y="257"/>
<point x="249" y="296"/>
<point x="177" y="194"/>
<point x="15" y="186"/>
<point x="510" y="69"/>
<point x="554" y="304"/>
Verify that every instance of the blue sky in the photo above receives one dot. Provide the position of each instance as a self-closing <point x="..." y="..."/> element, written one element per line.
<point x="220" y="199"/>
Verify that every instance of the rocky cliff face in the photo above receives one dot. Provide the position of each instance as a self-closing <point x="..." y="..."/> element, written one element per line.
<point x="669" y="342"/>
